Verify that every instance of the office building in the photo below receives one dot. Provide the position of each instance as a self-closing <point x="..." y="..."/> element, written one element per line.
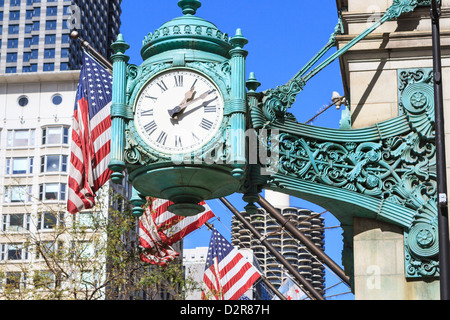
<point x="35" y="34"/>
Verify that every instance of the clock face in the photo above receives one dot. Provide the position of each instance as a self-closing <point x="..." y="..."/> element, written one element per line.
<point x="178" y="111"/>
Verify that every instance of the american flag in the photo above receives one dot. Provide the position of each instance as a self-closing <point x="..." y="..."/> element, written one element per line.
<point x="228" y="275"/>
<point x="91" y="136"/>
<point x="160" y="228"/>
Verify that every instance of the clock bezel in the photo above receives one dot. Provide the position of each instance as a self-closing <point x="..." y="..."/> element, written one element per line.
<point x="217" y="81"/>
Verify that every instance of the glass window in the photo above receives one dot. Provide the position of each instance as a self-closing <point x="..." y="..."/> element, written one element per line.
<point x="64" y="52"/>
<point x="23" y="101"/>
<point x="57" y="99"/>
<point x="11" y="69"/>
<point x="20" y="138"/>
<point x="54" y="163"/>
<point x="50" y="39"/>
<point x="64" y="66"/>
<point x="14" y="15"/>
<point x="13" y="43"/>
<point x="11" y="57"/>
<point x="47" y="221"/>
<point x="16" y="222"/>
<point x="19" y="194"/>
<point x="49" y="66"/>
<point x="55" y="135"/>
<point x="50" y="25"/>
<point x="13" y="29"/>
<point x="52" y="191"/>
<point x="65" y="38"/>
<point x="15" y="3"/>
<point x="49" y="53"/>
<point x="52" y="11"/>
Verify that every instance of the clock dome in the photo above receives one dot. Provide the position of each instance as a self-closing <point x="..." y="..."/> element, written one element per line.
<point x="186" y="32"/>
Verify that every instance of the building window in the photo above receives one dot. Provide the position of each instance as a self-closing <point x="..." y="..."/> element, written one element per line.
<point x="49" y="53"/>
<point x="64" y="66"/>
<point x="65" y="38"/>
<point x="52" y="11"/>
<point x="23" y="101"/>
<point x="13" y="43"/>
<point x="46" y="248"/>
<point x="30" y="68"/>
<point x="11" y="57"/>
<point x="52" y="192"/>
<point x="16" y="222"/>
<point x="13" y="29"/>
<point x="50" y="39"/>
<point x="57" y="99"/>
<point x="50" y="25"/>
<point x="64" y="52"/>
<point x="19" y="166"/>
<point x="55" y="135"/>
<point x="54" y="163"/>
<point x="49" y="66"/>
<point x="17" y="194"/>
<point x="50" y="220"/>
<point x="20" y="138"/>
<point x="14" y="15"/>
<point x="11" y="69"/>
<point x="15" y="3"/>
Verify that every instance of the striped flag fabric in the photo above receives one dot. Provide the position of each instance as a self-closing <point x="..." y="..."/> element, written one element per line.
<point x="155" y="251"/>
<point x="159" y="229"/>
<point x="228" y="275"/>
<point x="91" y="136"/>
<point x="173" y="227"/>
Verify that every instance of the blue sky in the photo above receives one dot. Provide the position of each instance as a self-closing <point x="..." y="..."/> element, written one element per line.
<point x="283" y="35"/>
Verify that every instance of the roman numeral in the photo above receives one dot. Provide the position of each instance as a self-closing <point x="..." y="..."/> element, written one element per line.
<point x="210" y="109"/>
<point x="147" y="113"/>
<point x="178" y="142"/>
<point x="162" y="85"/>
<point x="150" y="127"/>
<point x="178" y="81"/>
<point x="150" y="97"/>
<point x="206" y="124"/>
<point x="162" y="138"/>
<point x="194" y="137"/>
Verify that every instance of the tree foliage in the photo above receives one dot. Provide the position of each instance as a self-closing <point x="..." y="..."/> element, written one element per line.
<point x="88" y="256"/>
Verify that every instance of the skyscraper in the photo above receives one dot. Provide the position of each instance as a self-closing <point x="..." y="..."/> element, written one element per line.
<point x="311" y="225"/>
<point x="38" y="85"/>
<point x="35" y="34"/>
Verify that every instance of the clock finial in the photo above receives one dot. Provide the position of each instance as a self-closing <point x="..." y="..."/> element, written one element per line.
<point x="189" y="6"/>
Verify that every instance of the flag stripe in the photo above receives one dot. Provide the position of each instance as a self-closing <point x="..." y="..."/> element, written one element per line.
<point x="91" y="136"/>
<point x="159" y="229"/>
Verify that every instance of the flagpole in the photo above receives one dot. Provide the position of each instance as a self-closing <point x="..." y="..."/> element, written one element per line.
<point x="76" y="36"/>
<point x="263" y="278"/>
<point x="303" y="239"/>
<point x="310" y="290"/>
<point x="442" y="206"/>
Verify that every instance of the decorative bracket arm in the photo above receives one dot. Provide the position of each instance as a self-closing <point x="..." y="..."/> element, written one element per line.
<point x="278" y="100"/>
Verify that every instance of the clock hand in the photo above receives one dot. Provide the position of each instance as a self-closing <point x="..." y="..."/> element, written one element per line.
<point x="188" y="96"/>
<point x="179" y="109"/>
<point x="204" y="104"/>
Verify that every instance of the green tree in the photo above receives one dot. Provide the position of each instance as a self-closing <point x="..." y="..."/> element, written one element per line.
<point x="88" y="256"/>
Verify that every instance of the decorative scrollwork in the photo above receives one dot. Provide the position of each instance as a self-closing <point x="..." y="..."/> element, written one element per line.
<point x="398" y="168"/>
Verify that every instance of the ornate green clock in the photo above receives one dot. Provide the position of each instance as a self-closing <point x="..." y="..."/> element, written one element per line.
<point x="178" y="111"/>
<point x="179" y="118"/>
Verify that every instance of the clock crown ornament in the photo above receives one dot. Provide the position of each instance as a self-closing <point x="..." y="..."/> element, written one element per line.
<point x="186" y="32"/>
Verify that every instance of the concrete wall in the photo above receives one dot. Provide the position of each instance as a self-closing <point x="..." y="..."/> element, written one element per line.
<point x="370" y="78"/>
